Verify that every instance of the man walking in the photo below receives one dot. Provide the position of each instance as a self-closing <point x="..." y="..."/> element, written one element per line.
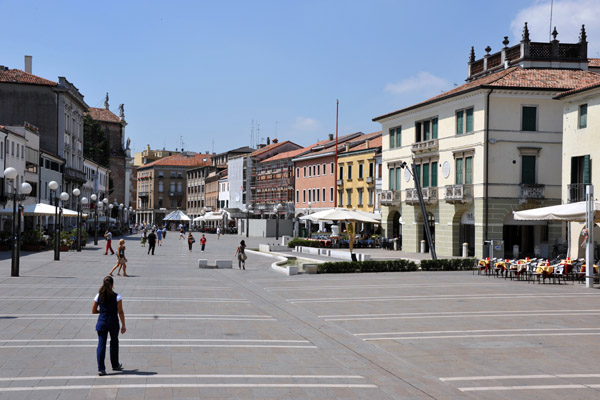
<point x="108" y="237"/>
<point x="159" y="236"/>
<point x="151" y="242"/>
<point x="203" y="242"/>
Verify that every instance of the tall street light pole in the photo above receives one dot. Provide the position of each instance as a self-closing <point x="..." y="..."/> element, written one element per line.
<point x="248" y="210"/>
<point x="94" y="197"/>
<point x="309" y="221"/>
<point x="64" y="197"/>
<point x="84" y="202"/>
<point x="53" y="186"/>
<point x="11" y="174"/>
<point x="76" y="193"/>
<point x="278" y="208"/>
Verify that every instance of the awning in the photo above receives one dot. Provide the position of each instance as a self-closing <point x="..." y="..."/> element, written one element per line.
<point x="562" y="212"/>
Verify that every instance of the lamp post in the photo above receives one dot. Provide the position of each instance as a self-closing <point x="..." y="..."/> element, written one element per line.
<point x="11" y="174"/>
<point x="53" y="185"/>
<point x="413" y="171"/>
<point x="84" y="202"/>
<point x="76" y="193"/>
<point x="93" y="197"/>
<point x="105" y="211"/>
<point x="122" y="215"/>
<point x="64" y="197"/>
<point x="248" y="211"/>
<point x="278" y="208"/>
<point x="309" y="221"/>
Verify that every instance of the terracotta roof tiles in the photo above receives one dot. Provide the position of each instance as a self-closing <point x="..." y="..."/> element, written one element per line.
<point x="180" y="160"/>
<point x="594" y="62"/>
<point x="18" y="76"/>
<point x="102" y="114"/>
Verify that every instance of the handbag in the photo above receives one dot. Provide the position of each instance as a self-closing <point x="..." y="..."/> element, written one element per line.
<point x="243" y="256"/>
<point x="193" y="240"/>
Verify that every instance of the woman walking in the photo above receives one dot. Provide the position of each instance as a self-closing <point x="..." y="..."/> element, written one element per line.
<point x="240" y="252"/>
<point x="109" y="305"/>
<point x="144" y="238"/>
<point x="190" y="240"/>
<point x="121" y="259"/>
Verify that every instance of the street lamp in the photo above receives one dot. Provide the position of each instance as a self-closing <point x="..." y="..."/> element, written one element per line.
<point x="76" y="193"/>
<point x="309" y="221"/>
<point x="122" y="215"/>
<point x="93" y="197"/>
<point x="415" y="175"/>
<point x="105" y="209"/>
<point x="53" y="185"/>
<point x="278" y="208"/>
<point x="11" y="174"/>
<point x="64" y="196"/>
<point x="84" y="202"/>
<point x="248" y="211"/>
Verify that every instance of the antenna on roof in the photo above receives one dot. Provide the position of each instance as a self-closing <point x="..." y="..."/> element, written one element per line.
<point x="550" y="30"/>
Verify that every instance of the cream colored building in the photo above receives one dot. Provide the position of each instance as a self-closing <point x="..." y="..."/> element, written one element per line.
<point x="148" y="155"/>
<point x="581" y="150"/>
<point x="483" y="150"/>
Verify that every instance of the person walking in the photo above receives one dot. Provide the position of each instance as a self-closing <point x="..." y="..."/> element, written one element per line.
<point x="218" y="232"/>
<point x="164" y="231"/>
<point x="109" y="305"/>
<point x="144" y="238"/>
<point x="121" y="260"/>
<point x="240" y="252"/>
<point x="151" y="242"/>
<point x="181" y="232"/>
<point x="191" y="241"/>
<point x="159" y="235"/>
<point x="108" y="237"/>
<point x="202" y="243"/>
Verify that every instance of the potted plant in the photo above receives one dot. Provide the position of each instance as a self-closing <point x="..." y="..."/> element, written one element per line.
<point x="84" y="236"/>
<point x="66" y="241"/>
<point x="32" y="240"/>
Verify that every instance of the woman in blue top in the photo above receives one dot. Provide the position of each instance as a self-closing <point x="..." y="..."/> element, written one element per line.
<point x="110" y="307"/>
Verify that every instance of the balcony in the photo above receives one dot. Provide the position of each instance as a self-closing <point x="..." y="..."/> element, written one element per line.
<point x="390" y="198"/>
<point x="369" y="179"/>
<point x="429" y="196"/>
<point x="576" y="192"/>
<point x="75" y="175"/>
<point x="340" y="182"/>
<point x="532" y="192"/>
<point x="459" y="193"/>
<point x="143" y="194"/>
<point x="426" y="146"/>
<point x="175" y="194"/>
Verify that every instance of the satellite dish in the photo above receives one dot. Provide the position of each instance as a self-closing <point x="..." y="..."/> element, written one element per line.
<point x="406" y="174"/>
<point x="446" y="169"/>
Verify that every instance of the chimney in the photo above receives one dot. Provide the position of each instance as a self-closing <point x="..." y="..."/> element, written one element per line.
<point x="331" y="136"/>
<point x="347" y="146"/>
<point x="28" y="64"/>
<point x="367" y="143"/>
<point x="268" y="140"/>
<point x="275" y="141"/>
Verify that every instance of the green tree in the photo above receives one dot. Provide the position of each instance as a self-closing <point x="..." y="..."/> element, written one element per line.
<point x="95" y="142"/>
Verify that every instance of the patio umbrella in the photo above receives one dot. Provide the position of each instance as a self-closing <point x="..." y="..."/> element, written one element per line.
<point x="562" y="212"/>
<point x="42" y="209"/>
<point x="211" y="216"/>
<point x="177" y="215"/>
<point x="342" y="214"/>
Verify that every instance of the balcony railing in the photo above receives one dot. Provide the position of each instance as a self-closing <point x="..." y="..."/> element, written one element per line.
<point x="422" y="147"/>
<point x="576" y="192"/>
<point x="390" y="197"/>
<point x="459" y="193"/>
<point x="74" y="174"/>
<point x="429" y="195"/>
<point x="532" y="192"/>
<point x="339" y="182"/>
<point x="143" y="194"/>
<point x="369" y="179"/>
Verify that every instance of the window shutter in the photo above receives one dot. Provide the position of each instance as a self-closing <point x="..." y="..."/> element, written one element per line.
<point x="426" y="130"/>
<point x="528" y="170"/>
<point x="459" y="171"/>
<point x="529" y="117"/>
<point x="469" y="120"/>
<point x="418" y="171"/>
<point x="459" y="122"/>
<point x="392" y="179"/>
<point x="425" y="175"/>
<point x="398" y="176"/>
<point x="392" y="140"/>
<point x="434" y="174"/>
<point x="434" y="128"/>
<point x="587" y="170"/>
<point x="399" y="137"/>
<point x="583" y="116"/>
<point x="468" y="170"/>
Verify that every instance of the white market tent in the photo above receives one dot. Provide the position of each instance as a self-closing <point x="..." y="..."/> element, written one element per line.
<point x="343" y="214"/>
<point x="212" y="216"/>
<point x="563" y="212"/>
<point x="177" y="215"/>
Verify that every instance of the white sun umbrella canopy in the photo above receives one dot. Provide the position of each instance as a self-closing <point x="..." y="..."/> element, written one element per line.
<point x="212" y="216"/>
<point x="42" y="209"/>
<point x="342" y="214"/>
<point x="177" y="215"/>
<point x="563" y="212"/>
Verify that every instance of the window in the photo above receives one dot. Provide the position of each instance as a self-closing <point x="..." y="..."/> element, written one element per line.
<point x="392" y="182"/>
<point x="319" y="170"/>
<point x="172" y="175"/>
<point x="370" y="197"/>
<point x="398" y="176"/>
<point x="529" y="118"/>
<point x="582" y="116"/>
<point x="309" y="195"/>
<point x="324" y="168"/>
<point x="349" y="172"/>
<point x="341" y="176"/>
<point x="332" y="169"/>
<point x="172" y="186"/>
<point x="360" y="171"/>
<point x="304" y="172"/>
<point x="324" y="195"/>
<point x="160" y="187"/>
<point x="425" y="175"/>
<point x="528" y="170"/>
<point x="426" y="130"/>
<point x="360" y="196"/>
<point x="298" y="172"/>
<point x="12" y="151"/>
<point x="304" y="195"/>
<point x="371" y="170"/>
<point x="160" y="202"/>
<point x="297" y="196"/>
<point x="464" y="121"/>
<point x="309" y="171"/>
<point x="464" y="170"/>
<point x="331" y="194"/>
<point x="172" y="203"/>
<point x="396" y="137"/>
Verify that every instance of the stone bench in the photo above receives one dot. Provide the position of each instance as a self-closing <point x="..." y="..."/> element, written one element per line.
<point x="219" y="264"/>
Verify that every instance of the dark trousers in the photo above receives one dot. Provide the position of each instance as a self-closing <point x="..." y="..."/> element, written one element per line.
<point x="151" y="246"/>
<point x="190" y="245"/>
<point x="203" y="245"/>
<point x="114" y="348"/>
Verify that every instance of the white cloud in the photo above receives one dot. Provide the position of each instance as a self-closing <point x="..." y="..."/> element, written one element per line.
<point x="567" y="16"/>
<point x="423" y="83"/>
<point x="306" y="124"/>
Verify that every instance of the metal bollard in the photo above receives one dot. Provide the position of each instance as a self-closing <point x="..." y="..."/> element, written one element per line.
<point x="465" y="250"/>
<point x="423" y="246"/>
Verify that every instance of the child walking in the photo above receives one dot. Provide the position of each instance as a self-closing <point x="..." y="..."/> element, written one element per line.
<point x="203" y="242"/>
<point x="121" y="259"/>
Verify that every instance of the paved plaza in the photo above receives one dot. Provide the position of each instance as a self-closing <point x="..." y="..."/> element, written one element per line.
<point x="256" y="334"/>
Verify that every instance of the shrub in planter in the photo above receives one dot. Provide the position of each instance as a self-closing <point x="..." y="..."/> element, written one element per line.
<point x="32" y="237"/>
<point x="455" y="264"/>
<point x="399" y="265"/>
<point x="304" y="242"/>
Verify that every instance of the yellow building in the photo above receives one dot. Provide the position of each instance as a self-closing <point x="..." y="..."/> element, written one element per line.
<point x="147" y="156"/>
<point x="358" y="174"/>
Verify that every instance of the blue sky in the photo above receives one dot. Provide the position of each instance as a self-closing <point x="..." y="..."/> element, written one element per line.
<point x="202" y="71"/>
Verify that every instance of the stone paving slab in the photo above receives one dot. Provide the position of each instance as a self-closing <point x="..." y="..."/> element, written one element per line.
<point x="229" y="334"/>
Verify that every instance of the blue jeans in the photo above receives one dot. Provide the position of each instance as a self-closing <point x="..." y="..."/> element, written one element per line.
<point x="114" y="348"/>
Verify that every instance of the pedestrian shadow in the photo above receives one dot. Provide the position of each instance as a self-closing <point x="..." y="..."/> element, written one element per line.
<point x="132" y="372"/>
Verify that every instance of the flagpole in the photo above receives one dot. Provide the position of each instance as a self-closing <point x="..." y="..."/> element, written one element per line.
<point x="337" y="110"/>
